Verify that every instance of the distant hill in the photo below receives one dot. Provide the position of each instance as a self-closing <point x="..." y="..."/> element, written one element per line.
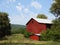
<point x="16" y="29"/>
<point x="15" y="26"/>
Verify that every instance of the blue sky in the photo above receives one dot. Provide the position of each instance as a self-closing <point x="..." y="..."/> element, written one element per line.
<point x="20" y="11"/>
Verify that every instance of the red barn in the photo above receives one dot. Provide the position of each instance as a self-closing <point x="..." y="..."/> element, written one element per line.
<point x="36" y="26"/>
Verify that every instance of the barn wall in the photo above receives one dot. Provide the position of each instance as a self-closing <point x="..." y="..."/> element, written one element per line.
<point x="35" y="27"/>
<point x="34" y="37"/>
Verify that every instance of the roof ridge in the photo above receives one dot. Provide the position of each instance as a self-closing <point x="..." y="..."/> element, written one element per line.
<point x="43" y="20"/>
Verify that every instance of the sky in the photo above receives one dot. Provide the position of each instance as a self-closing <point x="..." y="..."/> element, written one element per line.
<point x="21" y="11"/>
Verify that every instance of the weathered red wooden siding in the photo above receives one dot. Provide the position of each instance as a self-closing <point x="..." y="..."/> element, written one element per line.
<point x="34" y="37"/>
<point x="35" y="27"/>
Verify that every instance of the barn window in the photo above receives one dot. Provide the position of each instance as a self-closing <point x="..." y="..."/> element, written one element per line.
<point x="48" y="25"/>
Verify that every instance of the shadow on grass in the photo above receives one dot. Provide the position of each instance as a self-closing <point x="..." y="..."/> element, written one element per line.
<point x="3" y="38"/>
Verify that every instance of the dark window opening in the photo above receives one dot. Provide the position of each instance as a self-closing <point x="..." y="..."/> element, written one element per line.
<point x="48" y="25"/>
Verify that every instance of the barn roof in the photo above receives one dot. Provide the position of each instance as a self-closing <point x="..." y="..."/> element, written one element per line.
<point x="47" y="21"/>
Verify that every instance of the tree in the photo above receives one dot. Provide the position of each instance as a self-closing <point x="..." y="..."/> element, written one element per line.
<point x="5" y="28"/>
<point x="42" y="16"/>
<point x="55" y="8"/>
<point x="56" y="30"/>
<point x="53" y="33"/>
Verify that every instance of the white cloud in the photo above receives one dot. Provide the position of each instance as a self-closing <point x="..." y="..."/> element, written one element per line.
<point x="32" y="14"/>
<point x="19" y="3"/>
<point x="26" y="10"/>
<point x="22" y="18"/>
<point x="36" y="5"/>
<point x="19" y="7"/>
<point x="29" y="13"/>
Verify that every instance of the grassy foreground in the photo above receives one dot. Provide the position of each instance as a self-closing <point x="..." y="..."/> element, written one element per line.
<point x="19" y="39"/>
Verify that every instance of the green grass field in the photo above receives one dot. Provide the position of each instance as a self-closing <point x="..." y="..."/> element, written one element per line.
<point x="19" y="39"/>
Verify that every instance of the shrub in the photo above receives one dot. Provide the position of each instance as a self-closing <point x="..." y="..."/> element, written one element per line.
<point x="27" y="34"/>
<point x="50" y="35"/>
<point x="53" y="33"/>
<point x="47" y="35"/>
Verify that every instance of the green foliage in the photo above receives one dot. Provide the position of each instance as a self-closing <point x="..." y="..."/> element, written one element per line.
<point x="42" y="16"/>
<point x="4" y="25"/>
<point x="27" y="34"/>
<point x="56" y="30"/>
<point x="55" y="8"/>
<point x="53" y="33"/>
<point x="18" y="31"/>
<point x="47" y="35"/>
